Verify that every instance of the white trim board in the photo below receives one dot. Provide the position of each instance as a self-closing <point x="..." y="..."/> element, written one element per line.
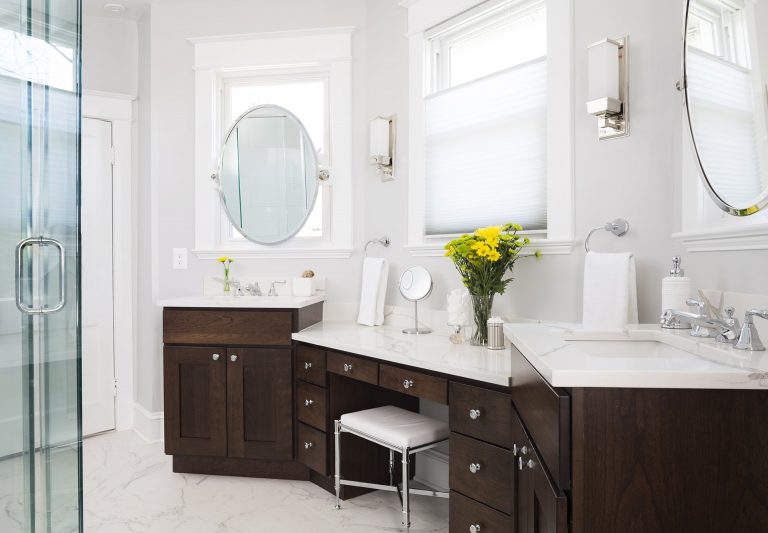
<point x="726" y="239"/>
<point x="149" y="426"/>
<point x="119" y="110"/>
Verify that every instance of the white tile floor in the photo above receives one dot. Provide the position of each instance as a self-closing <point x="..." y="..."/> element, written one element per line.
<point x="130" y="488"/>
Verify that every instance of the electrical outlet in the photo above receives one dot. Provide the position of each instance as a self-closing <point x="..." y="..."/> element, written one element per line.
<point x="180" y="258"/>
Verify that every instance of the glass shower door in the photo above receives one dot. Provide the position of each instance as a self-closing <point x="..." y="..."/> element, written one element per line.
<point x="40" y="409"/>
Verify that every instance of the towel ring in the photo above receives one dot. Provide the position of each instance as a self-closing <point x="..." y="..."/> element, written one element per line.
<point x="618" y="227"/>
<point x="384" y="241"/>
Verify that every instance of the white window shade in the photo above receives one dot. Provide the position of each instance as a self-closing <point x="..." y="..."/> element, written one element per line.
<point x="486" y="152"/>
<point x="722" y="114"/>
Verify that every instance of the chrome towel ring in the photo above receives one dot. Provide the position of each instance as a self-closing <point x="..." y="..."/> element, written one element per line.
<point x="618" y="227"/>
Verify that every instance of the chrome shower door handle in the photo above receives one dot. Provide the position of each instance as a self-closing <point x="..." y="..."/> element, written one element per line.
<point x="40" y="241"/>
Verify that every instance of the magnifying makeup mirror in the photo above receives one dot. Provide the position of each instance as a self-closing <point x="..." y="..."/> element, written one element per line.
<point x="416" y="284"/>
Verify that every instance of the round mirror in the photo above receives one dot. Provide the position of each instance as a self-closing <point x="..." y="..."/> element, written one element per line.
<point x="726" y="94"/>
<point x="415" y="284"/>
<point x="268" y="174"/>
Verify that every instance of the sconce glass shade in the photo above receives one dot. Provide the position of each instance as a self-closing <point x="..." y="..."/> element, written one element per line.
<point x="604" y="73"/>
<point x="380" y="139"/>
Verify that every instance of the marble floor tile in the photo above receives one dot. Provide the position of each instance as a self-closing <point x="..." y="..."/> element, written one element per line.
<point x="130" y="488"/>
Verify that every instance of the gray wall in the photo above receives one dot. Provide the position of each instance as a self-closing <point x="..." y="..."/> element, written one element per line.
<point x="637" y="177"/>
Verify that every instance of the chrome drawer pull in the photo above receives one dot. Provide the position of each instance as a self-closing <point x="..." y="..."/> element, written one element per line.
<point x="474" y="528"/>
<point x="347" y="367"/>
<point x="307" y="366"/>
<point x="523" y="450"/>
<point x="520" y="464"/>
<point x="307" y="445"/>
<point x="474" y="468"/>
<point x="408" y="384"/>
<point x="233" y="358"/>
<point x="215" y="357"/>
<point x="308" y="402"/>
<point x="474" y="414"/>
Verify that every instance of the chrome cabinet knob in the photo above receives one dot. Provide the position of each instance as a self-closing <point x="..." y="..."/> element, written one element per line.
<point x="308" y="402"/>
<point x="308" y="445"/>
<point x="347" y="367"/>
<point x="474" y="414"/>
<point x="215" y="357"/>
<point x="474" y="468"/>
<point x="522" y="464"/>
<point x="307" y="366"/>
<point x="408" y="384"/>
<point x="474" y="528"/>
<point x="233" y="358"/>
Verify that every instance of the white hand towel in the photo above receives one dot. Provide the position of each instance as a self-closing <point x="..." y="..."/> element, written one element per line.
<point x="610" y="291"/>
<point x="373" y="291"/>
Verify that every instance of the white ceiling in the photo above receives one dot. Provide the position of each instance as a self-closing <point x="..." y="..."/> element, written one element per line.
<point x="133" y="8"/>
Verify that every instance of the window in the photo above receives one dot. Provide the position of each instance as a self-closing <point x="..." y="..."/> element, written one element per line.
<point x="719" y="28"/>
<point x="306" y="71"/>
<point x="485" y="120"/>
<point x="306" y="97"/>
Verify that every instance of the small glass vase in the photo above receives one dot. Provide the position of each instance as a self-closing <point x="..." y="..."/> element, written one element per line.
<point x="227" y="284"/>
<point x="481" y="311"/>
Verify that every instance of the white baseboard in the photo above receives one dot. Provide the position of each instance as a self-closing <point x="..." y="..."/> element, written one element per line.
<point x="149" y="426"/>
<point x="432" y="469"/>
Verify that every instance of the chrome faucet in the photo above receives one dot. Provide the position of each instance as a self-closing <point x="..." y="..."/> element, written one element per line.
<point x="272" y="290"/>
<point x="749" y="339"/>
<point x="238" y="288"/>
<point x="253" y="290"/>
<point x="704" y="325"/>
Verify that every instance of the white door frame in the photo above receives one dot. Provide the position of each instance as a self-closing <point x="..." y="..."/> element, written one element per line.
<point x="119" y="110"/>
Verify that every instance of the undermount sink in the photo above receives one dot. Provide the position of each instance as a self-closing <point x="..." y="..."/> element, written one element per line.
<point x="632" y="349"/>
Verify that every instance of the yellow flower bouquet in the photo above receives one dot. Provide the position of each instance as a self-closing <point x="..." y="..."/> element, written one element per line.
<point x="482" y="259"/>
<point x="227" y="262"/>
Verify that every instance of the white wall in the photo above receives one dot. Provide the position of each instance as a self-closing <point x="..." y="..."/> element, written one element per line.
<point x="110" y="55"/>
<point x="636" y="177"/>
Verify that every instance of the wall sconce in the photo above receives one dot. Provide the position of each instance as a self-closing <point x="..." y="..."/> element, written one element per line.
<point x="382" y="152"/>
<point x="609" y="86"/>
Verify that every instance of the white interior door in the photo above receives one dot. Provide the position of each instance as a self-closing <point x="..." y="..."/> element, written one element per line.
<point x="97" y="277"/>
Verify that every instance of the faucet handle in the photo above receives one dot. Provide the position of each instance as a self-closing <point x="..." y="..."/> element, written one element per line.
<point x="749" y="338"/>
<point x="273" y="290"/>
<point x="693" y="302"/>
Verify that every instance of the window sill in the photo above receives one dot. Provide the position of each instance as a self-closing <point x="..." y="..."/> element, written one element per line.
<point x="276" y="253"/>
<point x="749" y="237"/>
<point x="547" y="247"/>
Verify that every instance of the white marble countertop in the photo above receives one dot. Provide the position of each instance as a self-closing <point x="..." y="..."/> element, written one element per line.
<point x="430" y="352"/>
<point x="244" y="302"/>
<point x="660" y="359"/>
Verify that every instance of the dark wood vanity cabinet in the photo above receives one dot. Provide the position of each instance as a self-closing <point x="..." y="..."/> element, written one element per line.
<point x="229" y="405"/>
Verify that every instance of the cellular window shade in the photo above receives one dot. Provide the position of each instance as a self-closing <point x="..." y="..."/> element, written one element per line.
<point x="486" y="153"/>
<point x="722" y="114"/>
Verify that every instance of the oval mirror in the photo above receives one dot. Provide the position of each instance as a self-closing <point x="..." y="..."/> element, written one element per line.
<point x="726" y="96"/>
<point x="415" y="283"/>
<point x="268" y="174"/>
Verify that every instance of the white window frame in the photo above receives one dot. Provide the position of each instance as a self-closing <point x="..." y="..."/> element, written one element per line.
<point x="426" y="14"/>
<point x="321" y="53"/>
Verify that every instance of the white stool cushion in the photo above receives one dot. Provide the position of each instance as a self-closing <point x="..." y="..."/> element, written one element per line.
<point x="395" y="426"/>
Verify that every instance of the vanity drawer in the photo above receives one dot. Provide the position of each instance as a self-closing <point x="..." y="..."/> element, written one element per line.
<point x="216" y="327"/>
<point x="311" y="405"/>
<point x="482" y="414"/>
<point x="546" y="413"/>
<point x="465" y="513"/>
<point x="310" y="364"/>
<point x="312" y="449"/>
<point x="414" y="383"/>
<point x="493" y="483"/>
<point x="353" y="367"/>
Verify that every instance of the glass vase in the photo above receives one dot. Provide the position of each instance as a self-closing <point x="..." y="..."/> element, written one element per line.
<point x="481" y="311"/>
<point x="227" y="285"/>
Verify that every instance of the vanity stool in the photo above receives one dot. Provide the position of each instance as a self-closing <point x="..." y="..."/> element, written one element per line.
<point x="398" y="430"/>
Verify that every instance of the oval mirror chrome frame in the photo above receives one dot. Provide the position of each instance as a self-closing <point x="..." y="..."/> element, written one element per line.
<point x="321" y="174"/>
<point x="416" y="297"/>
<point x="762" y="200"/>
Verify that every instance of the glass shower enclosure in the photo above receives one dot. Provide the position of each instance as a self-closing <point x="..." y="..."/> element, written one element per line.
<point x="40" y="374"/>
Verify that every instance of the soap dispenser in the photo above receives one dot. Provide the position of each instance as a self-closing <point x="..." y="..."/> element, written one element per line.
<point x="675" y="289"/>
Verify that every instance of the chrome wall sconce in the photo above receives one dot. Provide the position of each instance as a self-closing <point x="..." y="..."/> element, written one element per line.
<point x="609" y="86"/>
<point x="383" y="142"/>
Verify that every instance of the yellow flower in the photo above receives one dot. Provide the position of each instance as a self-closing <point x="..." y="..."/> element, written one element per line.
<point x="451" y="251"/>
<point x="481" y="249"/>
<point x="494" y="256"/>
<point x="491" y="233"/>
<point x="223" y="259"/>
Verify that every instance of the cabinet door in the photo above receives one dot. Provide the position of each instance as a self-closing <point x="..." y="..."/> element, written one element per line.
<point x="195" y="400"/>
<point x="542" y="507"/>
<point x="259" y="403"/>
